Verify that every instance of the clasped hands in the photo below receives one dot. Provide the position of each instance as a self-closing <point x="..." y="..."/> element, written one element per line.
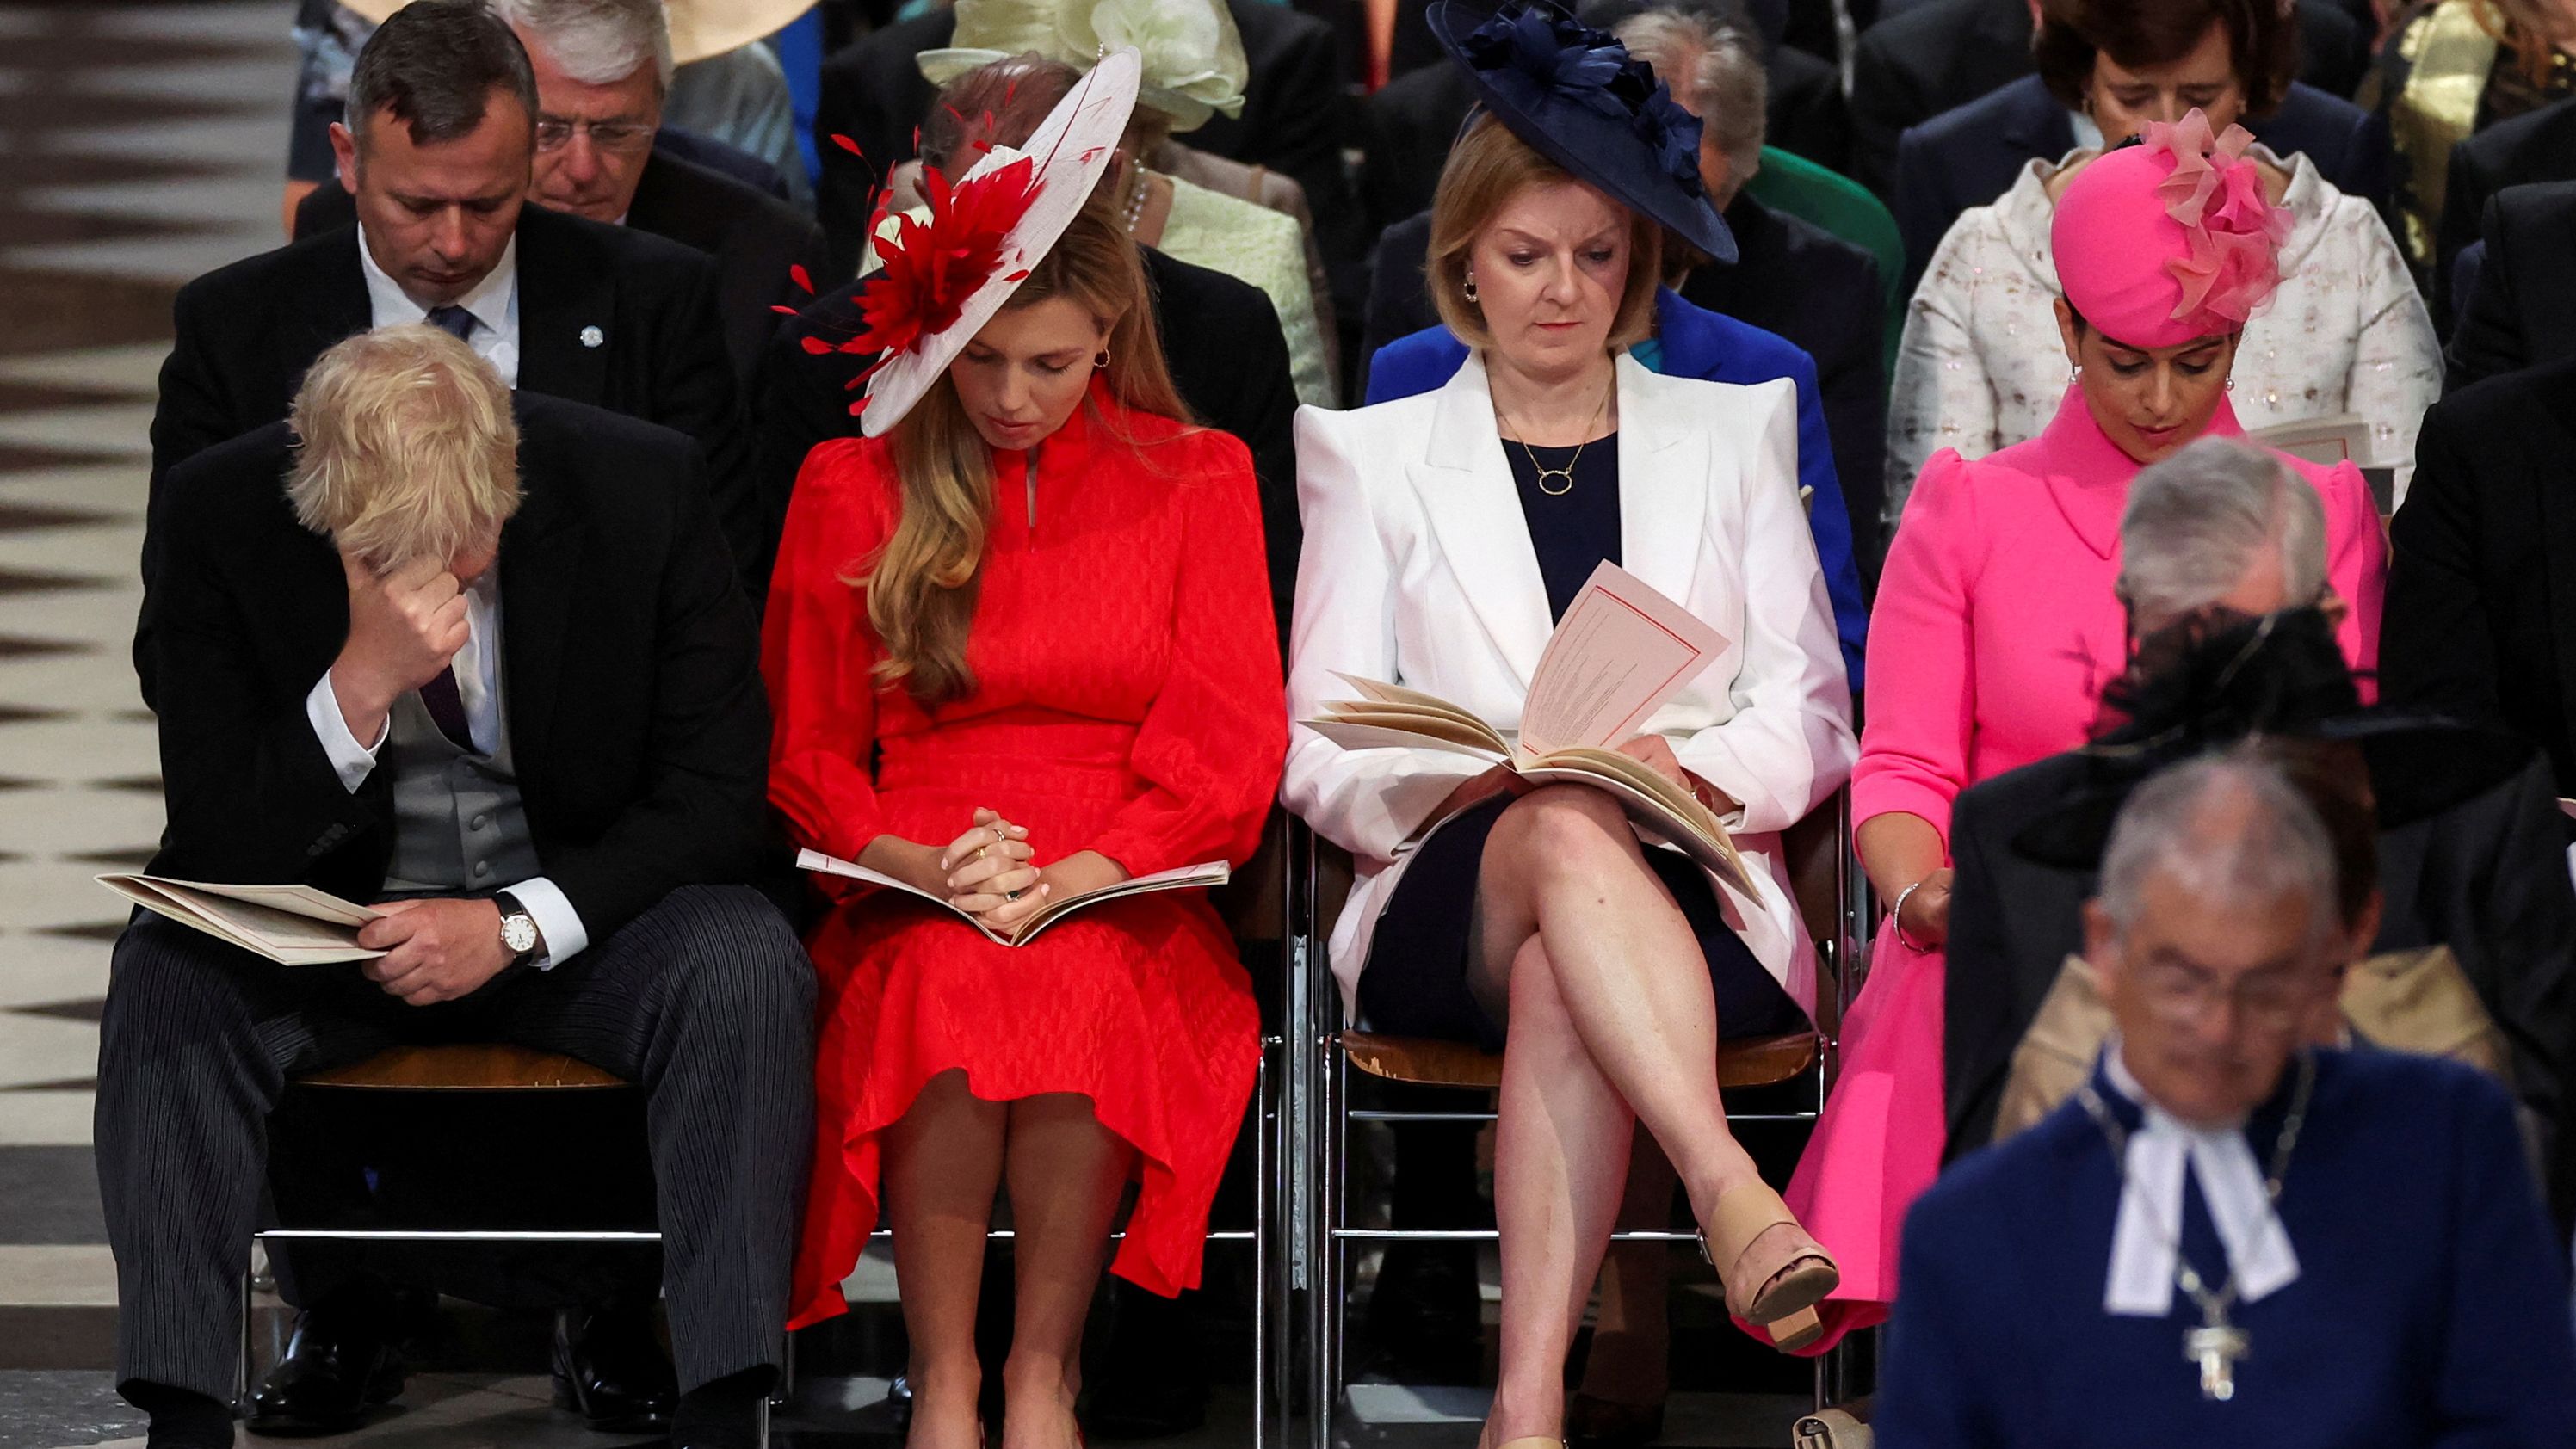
<point x="987" y="872"/>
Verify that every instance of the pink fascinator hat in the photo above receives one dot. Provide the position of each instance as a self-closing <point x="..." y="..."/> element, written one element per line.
<point x="2172" y="239"/>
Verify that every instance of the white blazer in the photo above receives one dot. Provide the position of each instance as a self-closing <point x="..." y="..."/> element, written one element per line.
<point x="1418" y="569"/>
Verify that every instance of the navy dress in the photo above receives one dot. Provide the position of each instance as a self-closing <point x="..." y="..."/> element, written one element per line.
<point x="1415" y="982"/>
<point x="2430" y="1307"/>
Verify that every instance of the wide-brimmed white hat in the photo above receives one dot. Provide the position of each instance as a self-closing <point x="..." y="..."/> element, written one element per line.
<point x="699" y="28"/>
<point x="1191" y="56"/>
<point x="943" y="278"/>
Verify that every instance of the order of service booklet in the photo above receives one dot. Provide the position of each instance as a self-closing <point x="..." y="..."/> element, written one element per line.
<point x="292" y="925"/>
<point x="1206" y="873"/>
<point x="1617" y="656"/>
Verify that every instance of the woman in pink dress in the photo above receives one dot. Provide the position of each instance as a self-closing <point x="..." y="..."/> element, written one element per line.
<point x="1997" y="626"/>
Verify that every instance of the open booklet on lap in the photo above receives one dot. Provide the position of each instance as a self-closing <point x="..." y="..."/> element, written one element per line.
<point x="1617" y="656"/>
<point x="1206" y="873"/>
<point x="292" y="925"/>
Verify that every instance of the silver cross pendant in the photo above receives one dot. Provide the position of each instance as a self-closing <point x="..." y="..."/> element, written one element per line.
<point x="2216" y="1347"/>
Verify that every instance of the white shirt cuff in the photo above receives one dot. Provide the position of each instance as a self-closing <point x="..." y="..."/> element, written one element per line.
<point x="557" y="921"/>
<point x="353" y="761"/>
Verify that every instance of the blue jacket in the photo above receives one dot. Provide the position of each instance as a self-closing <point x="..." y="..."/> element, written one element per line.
<point x="2430" y="1310"/>
<point x="1695" y="342"/>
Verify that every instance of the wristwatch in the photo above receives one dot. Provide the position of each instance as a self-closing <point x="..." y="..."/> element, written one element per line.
<point x="518" y="929"/>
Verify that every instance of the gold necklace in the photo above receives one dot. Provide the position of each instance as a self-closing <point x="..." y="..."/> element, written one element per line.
<point x="1567" y="472"/>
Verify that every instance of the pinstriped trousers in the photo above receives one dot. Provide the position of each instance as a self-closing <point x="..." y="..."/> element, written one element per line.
<point x="706" y="1001"/>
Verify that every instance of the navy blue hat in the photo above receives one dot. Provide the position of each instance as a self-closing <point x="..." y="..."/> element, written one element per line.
<point x="1577" y="97"/>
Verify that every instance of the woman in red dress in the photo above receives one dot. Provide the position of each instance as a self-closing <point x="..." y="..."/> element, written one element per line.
<point x="1019" y="646"/>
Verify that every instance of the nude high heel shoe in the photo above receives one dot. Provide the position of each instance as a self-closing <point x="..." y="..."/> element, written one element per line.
<point x="1773" y="1279"/>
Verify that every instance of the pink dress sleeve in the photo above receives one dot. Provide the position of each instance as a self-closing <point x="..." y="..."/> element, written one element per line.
<point x="2356" y="563"/>
<point x="1922" y="656"/>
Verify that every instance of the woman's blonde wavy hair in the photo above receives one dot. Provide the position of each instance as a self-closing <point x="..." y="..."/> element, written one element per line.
<point x="405" y="447"/>
<point x="922" y="586"/>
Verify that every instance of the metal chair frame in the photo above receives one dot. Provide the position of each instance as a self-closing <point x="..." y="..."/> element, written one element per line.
<point x="1319" y="1236"/>
<point x="1267" y="1124"/>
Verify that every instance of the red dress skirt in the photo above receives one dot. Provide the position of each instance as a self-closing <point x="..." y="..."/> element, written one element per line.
<point x="1126" y="701"/>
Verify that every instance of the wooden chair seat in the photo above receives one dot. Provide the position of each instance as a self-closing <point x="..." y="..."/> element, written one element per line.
<point x="475" y="1067"/>
<point x="1759" y="1061"/>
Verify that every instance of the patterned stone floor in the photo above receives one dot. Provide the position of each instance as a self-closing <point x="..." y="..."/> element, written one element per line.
<point x="138" y="146"/>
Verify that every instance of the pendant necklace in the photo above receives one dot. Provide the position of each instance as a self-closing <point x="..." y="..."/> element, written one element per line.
<point x="1567" y="472"/>
<point x="2217" y="1345"/>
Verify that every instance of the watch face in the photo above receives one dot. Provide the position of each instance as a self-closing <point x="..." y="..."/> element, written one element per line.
<point x="519" y="934"/>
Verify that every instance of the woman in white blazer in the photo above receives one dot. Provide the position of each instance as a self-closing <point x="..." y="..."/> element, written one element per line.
<point x="1443" y="534"/>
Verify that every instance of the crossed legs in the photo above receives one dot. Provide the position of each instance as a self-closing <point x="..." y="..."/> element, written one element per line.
<point x="1612" y="1025"/>
<point x="943" y="1162"/>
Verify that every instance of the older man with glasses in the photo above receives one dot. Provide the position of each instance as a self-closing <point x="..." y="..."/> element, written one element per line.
<point x="2229" y="1235"/>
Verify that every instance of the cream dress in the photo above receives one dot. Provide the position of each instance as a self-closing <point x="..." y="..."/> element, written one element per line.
<point x="1981" y="368"/>
<point x="1252" y="243"/>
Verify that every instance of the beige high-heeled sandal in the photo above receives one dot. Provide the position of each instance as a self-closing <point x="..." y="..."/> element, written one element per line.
<point x="1773" y="1280"/>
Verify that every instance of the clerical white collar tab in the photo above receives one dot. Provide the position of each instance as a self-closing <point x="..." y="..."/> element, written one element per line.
<point x="2115" y="1070"/>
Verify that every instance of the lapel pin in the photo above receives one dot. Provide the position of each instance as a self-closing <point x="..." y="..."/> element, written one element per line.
<point x="593" y="337"/>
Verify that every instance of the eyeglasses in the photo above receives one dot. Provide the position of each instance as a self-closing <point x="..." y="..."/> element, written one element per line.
<point x="555" y="132"/>
<point x="2183" y="996"/>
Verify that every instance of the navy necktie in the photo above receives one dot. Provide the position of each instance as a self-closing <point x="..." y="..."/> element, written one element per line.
<point x="458" y="323"/>
<point x="447" y="709"/>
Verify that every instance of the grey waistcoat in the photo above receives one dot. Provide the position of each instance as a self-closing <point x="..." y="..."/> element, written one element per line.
<point x="458" y="821"/>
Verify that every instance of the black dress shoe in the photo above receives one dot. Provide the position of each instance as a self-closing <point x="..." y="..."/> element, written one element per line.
<point x="339" y="1364"/>
<point x="609" y="1368"/>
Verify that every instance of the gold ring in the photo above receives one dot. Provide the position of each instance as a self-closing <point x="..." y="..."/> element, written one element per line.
<point x="1010" y="895"/>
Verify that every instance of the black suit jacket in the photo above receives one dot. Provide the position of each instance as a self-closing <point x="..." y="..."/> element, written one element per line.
<point x="1968" y="156"/>
<point x="1791" y="278"/>
<point x="631" y="673"/>
<point x="1796" y="280"/>
<point x="246" y="334"/>
<point x="1292" y="122"/>
<point x="2522" y="311"/>
<point x="2534" y="146"/>
<point x="2487" y="877"/>
<point x="1221" y="340"/>
<point x="754" y="237"/>
<point x="1411" y="121"/>
<point x="2481" y="616"/>
<point x="1943" y="54"/>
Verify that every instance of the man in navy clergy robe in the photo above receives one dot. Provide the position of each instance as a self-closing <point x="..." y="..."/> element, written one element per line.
<point x="2121" y="1274"/>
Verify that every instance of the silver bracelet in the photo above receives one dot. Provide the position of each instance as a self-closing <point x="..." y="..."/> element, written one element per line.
<point x="1896" y="917"/>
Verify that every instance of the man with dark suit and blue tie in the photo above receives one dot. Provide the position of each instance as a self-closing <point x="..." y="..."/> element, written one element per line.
<point x="439" y="149"/>
<point x="604" y="72"/>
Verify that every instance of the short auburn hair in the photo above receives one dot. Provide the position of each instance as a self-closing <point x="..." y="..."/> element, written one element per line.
<point x="1486" y="169"/>
<point x="405" y="447"/>
<point x="2262" y="42"/>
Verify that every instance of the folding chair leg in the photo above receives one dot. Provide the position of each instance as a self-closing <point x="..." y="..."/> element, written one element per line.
<point x="250" y="1317"/>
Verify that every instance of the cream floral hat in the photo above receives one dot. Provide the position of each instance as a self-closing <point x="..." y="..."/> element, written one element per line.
<point x="699" y="28"/>
<point x="1193" y="57"/>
